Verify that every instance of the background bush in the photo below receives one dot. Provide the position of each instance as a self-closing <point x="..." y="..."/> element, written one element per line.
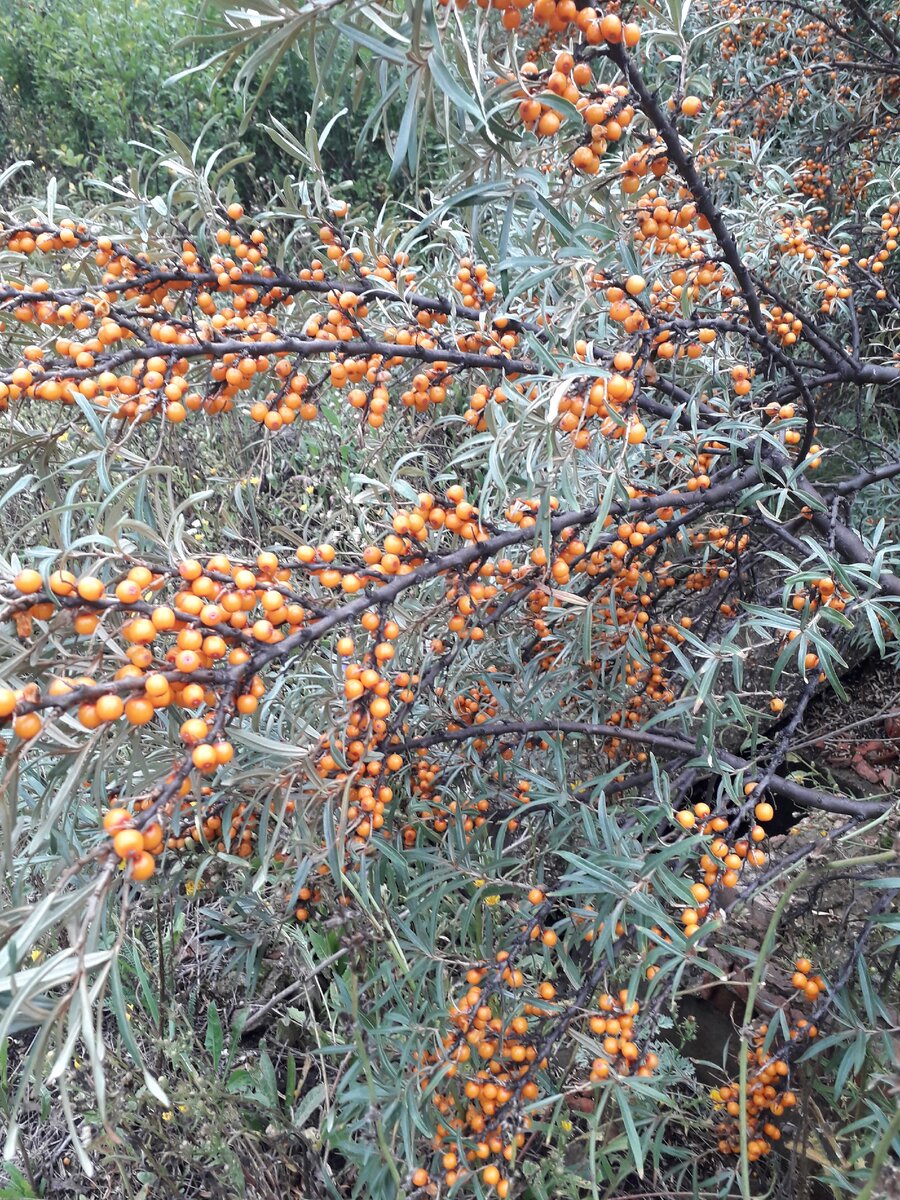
<point x="84" y="89"/>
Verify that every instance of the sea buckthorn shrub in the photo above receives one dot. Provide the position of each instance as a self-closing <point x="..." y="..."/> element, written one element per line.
<point x="414" y="622"/>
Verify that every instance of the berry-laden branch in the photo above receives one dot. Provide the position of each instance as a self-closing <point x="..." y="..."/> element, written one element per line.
<point x="666" y="741"/>
<point x="684" y="164"/>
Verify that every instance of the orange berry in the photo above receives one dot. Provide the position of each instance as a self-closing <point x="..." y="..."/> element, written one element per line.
<point x="142" y="866"/>
<point x="28" y="582"/>
<point x="110" y="708"/>
<point x="128" y="843"/>
<point x="549" y="124"/>
<point x="152" y="837"/>
<point x="204" y="757"/>
<point x="193" y="730"/>
<point x="116" y="819"/>
<point x="62" y="583"/>
<point x="611" y="28"/>
<point x="27" y="726"/>
<point x="139" y="711"/>
<point x="224" y="752"/>
<point x="90" y="589"/>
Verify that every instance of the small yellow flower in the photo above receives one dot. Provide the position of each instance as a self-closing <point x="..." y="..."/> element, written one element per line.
<point x="190" y="887"/>
<point x="36" y="954"/>
<point x="310" y="490"/>
<point x="566" y="1126"/>
<point x="167" y="1115"/>
<point x="480" y="882"/>
<point x="492" y="900"/>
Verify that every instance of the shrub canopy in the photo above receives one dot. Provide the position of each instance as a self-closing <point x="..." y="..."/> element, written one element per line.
<point x="429" y="633"/>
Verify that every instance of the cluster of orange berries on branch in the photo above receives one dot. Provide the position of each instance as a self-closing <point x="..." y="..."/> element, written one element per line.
<point x="605" y="402"/>
<point x="820" y="593"/>
<point x="556" y="16"/>
<point x="813" y="179"/>
<point x="814" y="55"/>
<point x="430" y="806"/>
<point x="173" y="648"/>
<point x="621" y="1054"/>
<point x="467" y="812"/>
<point x="182" y="823"/>
<point x="605" y="110"/>
<point x="478" y="402"/>
<point x="189" y="307"/>
<point x="473" y="284"/>
<point x="490" y="1061"/>
<point x="135" y="848"/>
<point x="767" y="1094"/>
<point x="721" y="864"/>
<point x="363" y="757"/>
<point x="476" y="705"/>
<point x="190" y="634"/>
<point x="890" y="231"/>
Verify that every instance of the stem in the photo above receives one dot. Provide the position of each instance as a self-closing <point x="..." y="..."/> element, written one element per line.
<point x="880" y="1156"/>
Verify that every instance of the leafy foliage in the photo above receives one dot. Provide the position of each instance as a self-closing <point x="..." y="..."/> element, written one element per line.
<point x="86" y="91"/>
<point x="423" y="632"/>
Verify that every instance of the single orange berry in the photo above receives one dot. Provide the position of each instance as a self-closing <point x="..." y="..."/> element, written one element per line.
<point x="142" y="867"/>
<point x="28" y="582"/>
<point x="116" y="819"/>
<point x="27" y="726"/>
<point x="110" y="708"/>
<point x="128" y="843"/>
<point x="90" y="589"/>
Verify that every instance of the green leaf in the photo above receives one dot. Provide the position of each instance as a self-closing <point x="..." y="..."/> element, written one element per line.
<point x="214" y="1039"/>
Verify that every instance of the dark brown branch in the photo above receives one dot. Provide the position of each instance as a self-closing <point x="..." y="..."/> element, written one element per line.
<point x="684" y="164"/>
<point x="659" y="738"/>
